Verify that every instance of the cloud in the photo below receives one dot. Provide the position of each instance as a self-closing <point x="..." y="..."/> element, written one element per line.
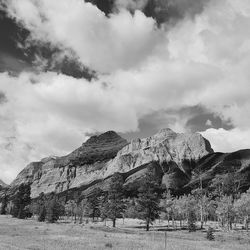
<point x="165" y="11"/>
<point x="3" y="98"/>
<point x="131" y="4"/>
<point x="203" y="60"/>
<point x="183" y="8"/>
<point x="52" y="116"/>
<point x="209" y="123"/>
<point x="228" y="140"/>
<point x="129" y="40"/>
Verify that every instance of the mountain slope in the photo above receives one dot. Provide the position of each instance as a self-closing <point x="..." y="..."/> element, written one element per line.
<point x="220" y="164"/>
<point x="101" y="156"/>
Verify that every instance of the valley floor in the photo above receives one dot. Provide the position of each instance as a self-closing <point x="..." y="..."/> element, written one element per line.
<point x="29" y="234"/>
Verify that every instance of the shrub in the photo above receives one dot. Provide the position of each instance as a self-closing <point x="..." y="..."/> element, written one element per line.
<point x="109" y="245"/>
<point x="210" y="233"/>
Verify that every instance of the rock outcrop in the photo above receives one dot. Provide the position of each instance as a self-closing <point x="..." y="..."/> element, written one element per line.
<point x="101" y="156"/>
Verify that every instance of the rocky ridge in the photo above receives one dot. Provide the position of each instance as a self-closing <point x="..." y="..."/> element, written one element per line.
<point x="101" y="156"/>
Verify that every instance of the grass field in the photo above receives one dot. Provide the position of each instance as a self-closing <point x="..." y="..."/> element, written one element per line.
<point x="30" y="234"/>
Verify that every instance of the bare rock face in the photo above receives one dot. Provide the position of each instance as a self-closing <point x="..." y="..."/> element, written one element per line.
<point x="101" y="156"/>
<point x="57" y="174"/>
<point x="173" y="154"/>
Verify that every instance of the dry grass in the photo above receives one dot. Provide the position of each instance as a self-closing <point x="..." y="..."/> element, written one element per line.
<point x="32" y="235"/>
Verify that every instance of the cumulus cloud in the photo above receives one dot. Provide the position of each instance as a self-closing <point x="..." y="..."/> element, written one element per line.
<point x="53" y="115"/>
<point x="202" y="60"/>
<point x="228" y="140"/>
<point x="101" y="43"/>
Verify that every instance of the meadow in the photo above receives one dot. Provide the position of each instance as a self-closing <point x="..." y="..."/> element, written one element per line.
<point x="129" y="235"/>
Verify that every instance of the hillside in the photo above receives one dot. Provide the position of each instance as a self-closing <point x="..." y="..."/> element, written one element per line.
<point x="101" y="156"/>
<point x="180" y="161"/>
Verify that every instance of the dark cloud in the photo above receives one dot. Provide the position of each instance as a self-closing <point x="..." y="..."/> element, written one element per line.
<point x="205" y="120"/>
<point x="170" y="11"/>
<point x="3" y="98"/>
<point x="152" y="123"/>
<point x="105" y="6"/>
<point x="161" y="10"/>
<point x="13" y="64"/>
<point x="11" y="35"/>
<point x="16" y="55"/>
<point x="194" y="119"/>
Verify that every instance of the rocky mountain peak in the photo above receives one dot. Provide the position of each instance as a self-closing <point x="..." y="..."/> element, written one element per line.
<point x="103" y="155"/>
<point x="108" y="136"/>
<point x="165" y="133"/>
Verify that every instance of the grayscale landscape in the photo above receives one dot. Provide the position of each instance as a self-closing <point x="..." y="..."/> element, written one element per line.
<point x="124" y="124"/>
<point x="16" y="234"/>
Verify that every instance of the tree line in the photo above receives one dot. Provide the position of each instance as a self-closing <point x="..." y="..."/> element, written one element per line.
<point x="221" y="201"/>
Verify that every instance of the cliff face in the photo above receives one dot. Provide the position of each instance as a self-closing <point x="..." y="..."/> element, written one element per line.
<point x="101" y="156"/>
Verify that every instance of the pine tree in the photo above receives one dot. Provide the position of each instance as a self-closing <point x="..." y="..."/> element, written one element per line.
<point x="54" y="209"/>
<point x="148" y="202"/>
<point x="113" y="206"/>
<point x="93" y="203"/>
<point x="42" y="214"/>
<point x="4" y="205"/>
<point x="21" y="200"/>
<point x="41" y="207"/>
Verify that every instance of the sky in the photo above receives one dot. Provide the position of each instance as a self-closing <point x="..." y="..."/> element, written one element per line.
<point x="73" y="68"/>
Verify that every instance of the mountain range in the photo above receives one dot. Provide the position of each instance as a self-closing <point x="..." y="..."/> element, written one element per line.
<point x="180" y="160"/>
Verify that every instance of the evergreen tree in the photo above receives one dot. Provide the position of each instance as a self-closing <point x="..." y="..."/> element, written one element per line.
<point x="114" y="206"/>
<point x="54" y="209"/>
<point x="93" y="203"/>
<point x="21" y="200"/>
<point x="41" y="207"/>
<point x="4" y="205"/>
<point x="42" y="214"/>
<point x="148" y="202"/>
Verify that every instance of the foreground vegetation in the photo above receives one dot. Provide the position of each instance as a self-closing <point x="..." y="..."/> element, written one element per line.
<point x="221" y="201"/>
<point x="30" y="234"/>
